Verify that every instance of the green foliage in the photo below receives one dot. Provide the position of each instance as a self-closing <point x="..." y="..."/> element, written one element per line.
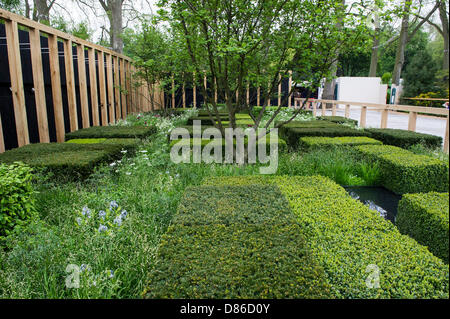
<point x="419" y="75"/>
<point x="17" y="204"/>
<point x="112" y="132"/>
<point x="386" y="78"/>
<point x="347" y="237"/>
<point x="321" y="142"/>
<point x="404" y="138"/>
<point x="67" y="160"/>
<point x="339" y="120"/>
<point x="405" y="172"/>
<point x="342" y="165"/>
<point x="424" y="217"/>
<point x="292" y="135"/>
<point x="229" y="242"/>
<point x="228" y="205"/>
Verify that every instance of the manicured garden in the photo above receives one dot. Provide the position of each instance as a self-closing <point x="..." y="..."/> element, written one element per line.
<point x="111" y="202"/>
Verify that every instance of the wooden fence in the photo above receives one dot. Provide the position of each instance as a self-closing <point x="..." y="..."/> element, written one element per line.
<point x="413" y="111"/>
<point x="112" y="92"/>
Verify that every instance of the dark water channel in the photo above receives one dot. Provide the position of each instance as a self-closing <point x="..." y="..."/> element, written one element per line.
<point x="379" y="199"/>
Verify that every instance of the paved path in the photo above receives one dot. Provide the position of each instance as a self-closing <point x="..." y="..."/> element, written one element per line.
<point x="425" y="124"/>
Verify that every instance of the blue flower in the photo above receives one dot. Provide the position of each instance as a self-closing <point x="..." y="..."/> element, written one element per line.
<point x="123" y="214"/>
<point x="86" y="212"/>
<point x="84" y="267"/>
<point x="111" y="274"/>
<point x="102" y="214"/>
<point x="118" y="221"/>
<point x="113" y="205"/>
<point x="102" y="228"/>
<point x="79" y="220"/>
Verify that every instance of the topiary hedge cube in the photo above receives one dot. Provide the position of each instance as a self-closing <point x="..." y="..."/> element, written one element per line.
<point x="405" y="139"/>
<point x="425" y="218"/>
<point x="339" y="120"/>
<point x="112" y="132"/>
<point x="309" y="143"/>
<point x="405" y="172"/>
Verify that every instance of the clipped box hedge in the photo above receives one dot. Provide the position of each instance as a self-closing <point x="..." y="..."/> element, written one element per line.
<point x="17" y="205"/>
<point x="424" y="217"/>
<point x="292" y="135"/>
<point x="405" y="172"/>
<point x="205" y="120"/>
<point x="248" y="248"/>
<point x="339" y="120"/>
<point x="128" y="144"/>
<point x="347" y="238"/>
<point x="203" y="142"/>
<point x="405" y="139"/>
<point x="68" y="160"/>
<point x="112" y="132"/>
<point x="227" y="205"/>
<point x="309" y="143"/>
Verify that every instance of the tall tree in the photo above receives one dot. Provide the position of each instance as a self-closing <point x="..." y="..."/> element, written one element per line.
<point x="402" y="41"/>
<point x="114" y="11"/>
<point x="443" y="14"/>
<point x="41" y="10"/>
<point x="375" y="45"/>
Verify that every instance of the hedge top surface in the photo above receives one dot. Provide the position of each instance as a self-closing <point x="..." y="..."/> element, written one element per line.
<point x="401" y="133"/>
<point x="404" y="138"/>
<point x="312" y="123"/>
<point x="112" y="132"/>
<point x="212" y="142"/>
<point x="236" y="261"/>
<point x="340" y="140"/>
<point x="338" y="119"/>
<point x="347" y="237"/>
<point x="227" y="205"/>
<point x="435" y="204"/>
<point x="397" y="155"/>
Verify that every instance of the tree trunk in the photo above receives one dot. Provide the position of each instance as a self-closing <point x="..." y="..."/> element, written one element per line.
<point x="27" y="9"/>
<point x="375" y="45"/>
<point x="41" y="10"/>
<point x="403" y="39"/>
<point x="444" y="21"/>
<point x="330" y="84"/>
<point x="114" y="10"/>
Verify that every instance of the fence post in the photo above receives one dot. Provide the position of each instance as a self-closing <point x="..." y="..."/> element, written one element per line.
<point x="384" y="118"/>
<point x="446" y="137"/>
<point x="314" y="108"/>
<point x="333" y="109"/>
<point x="347" y="111"/>
<point x="83" y="85"/>
<point x="109" y="75"/>
<point x="412" y="121"/>
<point x="258" y="96"/>
<point x="184" y="96"/>
<point x="290" y="88"/>
<point x="118" y="104"/>
<point x="38" y="82"/>
<point x="102" y="85"/>
<point x="279" y="90"/>
<point x="15" y="70"/>
<point x="324" y="108"/>
<point x="123" y="88"/>
<point x="128" y="80"/>
<point x="70" y="82"/>
<point x="93" y="83"/>
<point x="362" y="120"/>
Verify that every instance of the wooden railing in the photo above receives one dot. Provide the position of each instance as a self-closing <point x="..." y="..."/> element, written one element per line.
<point x="112" y="94"/>
<point x="383" y="108"/>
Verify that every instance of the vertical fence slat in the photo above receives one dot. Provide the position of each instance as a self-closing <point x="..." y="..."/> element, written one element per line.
<point x="39" y="88"/>
<point x="279" y="90"/>
<point x="324" y="108"/>
<point x="333" y="112"/>
<point x="258" y="96"/>
<point x="184" y="96"/>
<point x="112" y="116"/>
<point x="123" y="88"/>
<point x="173" y="91"/>
<point x="93" y="82"/>
<point x="15" y="70"/>
<point x="83" y="85"/>
<point x="347" y="111"/>
<point x="412" y="121"/>
<point x="70" y="83"/>
<point x="102" y="85"/>
<point x="446" y="141"/>
<point x="384" y="118"/>
<point x="2" y="141"/>
<point x="362" y="120"/>
<point x="55" y="76"/>
<point x="290" y="88"/>
<point x="314" y="108"/>
<point x="117" y="87"/>
<point x="194" y="94"/>
<point x="128" y="86"/>
<point x="215" y="90"/>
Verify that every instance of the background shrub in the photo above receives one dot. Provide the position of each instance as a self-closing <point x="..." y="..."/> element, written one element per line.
<point x="405" y="139"/>
<point x="405" y="172"/>
<point x="112" y="132"/>
<point x="17" y="205"/>
<point x="339" y="120"/>
<point x="424" y="217"/>
<point x="324" y="142"/>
